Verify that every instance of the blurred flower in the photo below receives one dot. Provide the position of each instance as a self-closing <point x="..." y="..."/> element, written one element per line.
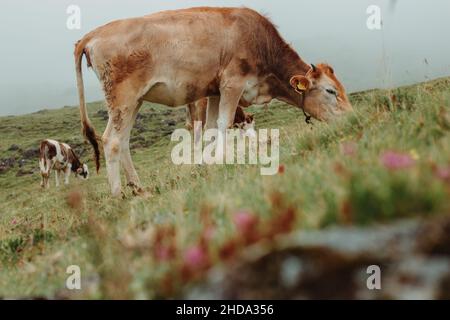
<point x="282" y="223"/>
<point x="14" y="221"/>
<point x="349" y="148"/>
<point x="395" y="160"/>
<point x="164" y="253"/>
<point x="164" y="243"/>
<point x="196" y="257"/>
<point x="443" y="173"/>
<point x="281" y="169"/>
<point x="228" y="250"/>
<point x="208" y="232"/>
<point x="245" y="221"/>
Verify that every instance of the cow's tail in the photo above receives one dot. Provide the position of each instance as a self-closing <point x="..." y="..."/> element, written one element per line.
<point x="87" y="128"/>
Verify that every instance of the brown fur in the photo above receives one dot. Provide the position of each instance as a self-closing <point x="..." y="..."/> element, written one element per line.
<point x="89" y="133"/>
<point x="50" y="147"/>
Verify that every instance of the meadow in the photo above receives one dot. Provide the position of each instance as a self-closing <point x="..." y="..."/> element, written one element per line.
<point x="387" y="161"/>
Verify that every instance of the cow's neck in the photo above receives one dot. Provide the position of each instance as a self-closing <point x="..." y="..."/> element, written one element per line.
<point x="75" y="163"/>
<point x="288" y="64"/>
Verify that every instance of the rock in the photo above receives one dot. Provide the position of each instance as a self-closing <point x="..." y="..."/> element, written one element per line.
<point x="101" y="113"/>
<point x="6" y="164"/>
<point x="140" y="127"/>
<point x="171" y="122"/>
<point x="14" y="147"/>
<point x="23" y="172"/>
<point x="413" y="257"/>
<point x="22" y="162"/>
<point x="30" y="153"/>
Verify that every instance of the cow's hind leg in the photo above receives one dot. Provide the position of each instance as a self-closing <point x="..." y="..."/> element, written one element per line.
<point x="115" y="142"/>
<point x="49" y="169"/>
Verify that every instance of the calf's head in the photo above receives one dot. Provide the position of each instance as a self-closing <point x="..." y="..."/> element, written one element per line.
<point x="324" y="96"/>
<point x="83" y="171"/>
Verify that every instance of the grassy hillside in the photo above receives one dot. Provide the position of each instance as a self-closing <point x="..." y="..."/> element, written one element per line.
<point x="389" y="160"/>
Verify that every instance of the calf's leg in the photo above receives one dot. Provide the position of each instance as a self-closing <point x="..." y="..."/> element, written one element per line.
<point x="67" y="174"/>
<point x="57" y="178"/>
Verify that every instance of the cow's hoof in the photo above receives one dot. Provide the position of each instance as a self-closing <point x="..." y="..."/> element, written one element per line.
<point x="138" y="191"/>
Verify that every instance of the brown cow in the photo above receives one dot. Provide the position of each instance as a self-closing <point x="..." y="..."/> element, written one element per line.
<point x="180" y="56"/>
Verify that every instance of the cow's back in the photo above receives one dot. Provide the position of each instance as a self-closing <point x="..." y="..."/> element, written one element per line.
<point x="177" y="57"/>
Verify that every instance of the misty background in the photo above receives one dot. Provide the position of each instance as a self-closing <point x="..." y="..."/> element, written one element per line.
<point x="36" y="48"/>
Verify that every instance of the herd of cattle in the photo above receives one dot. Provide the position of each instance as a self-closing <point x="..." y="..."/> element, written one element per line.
<point x="213" y="60"/>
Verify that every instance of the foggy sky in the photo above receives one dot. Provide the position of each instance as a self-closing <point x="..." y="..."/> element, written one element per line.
<point x="36" y="48"/>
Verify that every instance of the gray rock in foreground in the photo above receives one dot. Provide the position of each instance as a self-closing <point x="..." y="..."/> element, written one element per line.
<point x="413" y="257"/>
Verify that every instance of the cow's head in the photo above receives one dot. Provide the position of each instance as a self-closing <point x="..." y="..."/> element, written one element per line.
<point x="324" y="95"/>
<point x="83" y="172"/>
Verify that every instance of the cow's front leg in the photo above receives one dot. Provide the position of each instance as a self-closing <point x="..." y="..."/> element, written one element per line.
<point x="229" y="100"/>
<point x="212" y="112"/>
<point x="189" y="116"/>
<point x="57" y="178"/>
<point x="67" y="174"/>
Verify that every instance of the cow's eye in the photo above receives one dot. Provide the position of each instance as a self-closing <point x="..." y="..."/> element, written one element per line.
<point x="331" y="91"/>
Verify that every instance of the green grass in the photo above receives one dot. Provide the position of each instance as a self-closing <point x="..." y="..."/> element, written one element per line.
<point x="42" y="232"/>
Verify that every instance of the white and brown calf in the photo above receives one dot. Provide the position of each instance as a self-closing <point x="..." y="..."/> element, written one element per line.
<point x="59" y="157"/>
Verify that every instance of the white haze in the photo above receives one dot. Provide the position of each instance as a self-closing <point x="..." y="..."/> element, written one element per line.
<point x="37" y="68"/>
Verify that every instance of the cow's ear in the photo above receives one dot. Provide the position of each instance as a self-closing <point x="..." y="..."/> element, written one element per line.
<point x="300" y="83"/>
<point x="331" y="70"/>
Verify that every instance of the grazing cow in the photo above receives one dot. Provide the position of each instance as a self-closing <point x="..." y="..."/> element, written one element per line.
<point x="196" y="111"/>
<point x="60" y="157"/>
<point x="180" y="56"/>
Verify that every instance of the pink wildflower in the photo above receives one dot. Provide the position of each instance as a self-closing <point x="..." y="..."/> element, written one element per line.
<point x="195" y="257"/>
<point x="245" y="222"/>
<point x="393" y="160"/>
<point x="349" y="148"/>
